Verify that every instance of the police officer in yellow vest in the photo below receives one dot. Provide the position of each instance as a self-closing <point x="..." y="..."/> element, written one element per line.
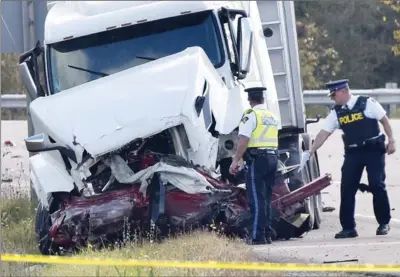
<point x="257" y="146"/>
<point x="364" y="147"/>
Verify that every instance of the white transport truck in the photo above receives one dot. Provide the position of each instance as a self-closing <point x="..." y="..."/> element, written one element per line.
<point x="113" y="71"/>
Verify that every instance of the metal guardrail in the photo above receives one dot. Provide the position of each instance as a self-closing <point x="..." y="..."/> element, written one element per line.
<point x="384" y="96"/>
<point x="13" y="101"/>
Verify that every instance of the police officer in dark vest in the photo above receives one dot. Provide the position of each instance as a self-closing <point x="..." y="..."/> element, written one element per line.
<point x="364" y="147"/>
<point x="257" y="146"/>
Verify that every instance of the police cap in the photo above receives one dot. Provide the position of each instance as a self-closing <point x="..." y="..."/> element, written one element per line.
<point x="336" y="85"/>
<point x="255" y="91"/>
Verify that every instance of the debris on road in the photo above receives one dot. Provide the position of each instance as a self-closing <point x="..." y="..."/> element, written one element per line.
<point x="328" y="209"/>
<point x="9" y="143"/>
<point x="341" y="261"/>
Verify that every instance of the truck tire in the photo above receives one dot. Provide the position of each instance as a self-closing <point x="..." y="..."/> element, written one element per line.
<point x="42" y="227"/>
<point x="317" y="203"/>
<point x="313" y="166"/>
<point x="308" y="203"/>
<point x="307" y="177"/>
<point x="317" y="198"/>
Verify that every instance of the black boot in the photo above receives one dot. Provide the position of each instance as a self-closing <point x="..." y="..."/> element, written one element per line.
<point x="344" y="234"/>
<point x="260" y="239"/>
<point x="383" y="229"/>
<point x="259" y="242"/>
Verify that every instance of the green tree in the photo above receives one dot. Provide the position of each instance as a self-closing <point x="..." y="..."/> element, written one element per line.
<point x="10" y="78"/>
<point x="362" y="39"/>
<point x="320" y="62"/>
<point x="394" y="19"/>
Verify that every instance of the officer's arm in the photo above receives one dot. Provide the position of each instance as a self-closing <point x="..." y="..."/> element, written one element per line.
<point x="388" y="128"/>
<point x="377" y="111"/>
<point x="319" y="141"/>
<point x="241" y="147"/>
<point x="246" y="127"/>
<point x="331" y="124"/>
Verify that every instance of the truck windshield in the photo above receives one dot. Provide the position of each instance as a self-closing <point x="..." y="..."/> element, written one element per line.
<point x="81" y="60"/>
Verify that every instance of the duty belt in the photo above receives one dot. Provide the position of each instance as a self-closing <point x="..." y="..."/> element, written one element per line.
<point x="370" y="140"/>
<point x="261" y="151"/>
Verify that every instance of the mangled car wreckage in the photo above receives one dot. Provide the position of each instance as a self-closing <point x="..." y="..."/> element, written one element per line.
<point x="144" y="140"/>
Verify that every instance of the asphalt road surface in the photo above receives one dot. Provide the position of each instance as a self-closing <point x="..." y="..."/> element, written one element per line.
<point x="317" y="246"/>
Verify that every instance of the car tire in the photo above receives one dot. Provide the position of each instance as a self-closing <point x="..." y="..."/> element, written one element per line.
<point x="42" y="227"/>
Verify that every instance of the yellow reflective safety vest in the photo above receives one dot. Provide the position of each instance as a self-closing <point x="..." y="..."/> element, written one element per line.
<point x="265" y="135"/>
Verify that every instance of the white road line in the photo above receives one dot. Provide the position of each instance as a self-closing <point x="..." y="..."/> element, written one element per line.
<point x="392" y="220"/>
<point x="373" y="217"/>
<point x="355" y="244"/>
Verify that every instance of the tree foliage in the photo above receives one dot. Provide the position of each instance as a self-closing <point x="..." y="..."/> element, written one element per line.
<point x="395" y="20"/>
<point x="10" y="78"/>
<point x="318" y="59"/>
<point x="356" y="31"/>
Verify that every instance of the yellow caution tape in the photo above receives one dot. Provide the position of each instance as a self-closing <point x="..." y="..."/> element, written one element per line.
<point x="203" y="265"/>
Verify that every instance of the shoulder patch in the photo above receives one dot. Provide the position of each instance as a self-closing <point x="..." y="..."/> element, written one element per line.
<point x="248" y="111"/>
<point x="244" y="119"/>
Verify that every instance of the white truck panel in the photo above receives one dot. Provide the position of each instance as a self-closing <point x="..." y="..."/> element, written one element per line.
<point x="283" y="52"/>
<point x="262" y="65"/>
<point x="114" y="110"/>
<point x="67" y="18"/>
<point x="48" y="175"/>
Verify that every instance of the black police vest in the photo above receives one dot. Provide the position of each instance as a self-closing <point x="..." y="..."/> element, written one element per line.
<point x="355" y="125"/>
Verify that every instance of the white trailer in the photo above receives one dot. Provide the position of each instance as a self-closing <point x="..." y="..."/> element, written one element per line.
<point x="113" y="71"/>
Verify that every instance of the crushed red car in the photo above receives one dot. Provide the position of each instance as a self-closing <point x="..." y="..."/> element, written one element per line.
<point x="127" y="210"/>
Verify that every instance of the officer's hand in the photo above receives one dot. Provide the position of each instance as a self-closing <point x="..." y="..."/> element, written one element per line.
<point x="390" y="148"/>
<point x="234" y="168"/>
<point x="304" y="158"/>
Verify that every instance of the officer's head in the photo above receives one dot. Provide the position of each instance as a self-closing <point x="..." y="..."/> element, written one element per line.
<point x="255" y="95"/>
<point x="339" y="91"/>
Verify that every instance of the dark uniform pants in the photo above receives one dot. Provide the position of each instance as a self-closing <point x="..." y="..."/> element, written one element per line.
<point x="261" y="172"/>
<point x="352" y="169"/>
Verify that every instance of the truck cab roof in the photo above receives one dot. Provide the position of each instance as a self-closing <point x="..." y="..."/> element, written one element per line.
<point x="71" y="19"/>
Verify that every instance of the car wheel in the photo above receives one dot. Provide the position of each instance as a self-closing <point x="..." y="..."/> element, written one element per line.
<point x="42" y="227"/>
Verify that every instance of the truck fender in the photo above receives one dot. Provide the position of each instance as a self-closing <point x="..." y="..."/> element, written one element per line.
<point x="47" y="178"/>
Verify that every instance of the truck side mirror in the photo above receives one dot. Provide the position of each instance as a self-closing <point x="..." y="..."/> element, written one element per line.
<point x="29" y="68"/>
<point x="245" y="41"/>
<point x="28" y="81"/>
<point x="38" y="143"/>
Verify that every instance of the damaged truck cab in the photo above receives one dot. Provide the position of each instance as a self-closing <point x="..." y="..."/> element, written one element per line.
<point x="115" y="79"/>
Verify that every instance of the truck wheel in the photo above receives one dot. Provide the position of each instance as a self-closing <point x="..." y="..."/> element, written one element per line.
<point x="317" y="203"/>
<point x="317" y="198"/>
<point x="308" y="203"/>
<point x="42" y="227"/>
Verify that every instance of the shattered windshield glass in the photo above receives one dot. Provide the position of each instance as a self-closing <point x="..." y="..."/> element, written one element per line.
<point x="81" y="60"/>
